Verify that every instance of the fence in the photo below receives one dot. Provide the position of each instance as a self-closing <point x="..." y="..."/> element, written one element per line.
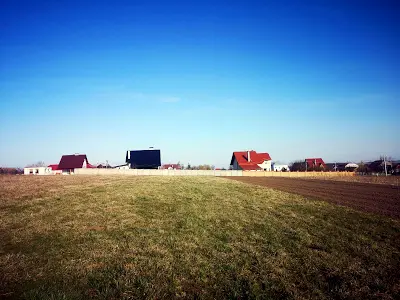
<point x="228" y="173"/>
<point x="297" y="174"/>
<point x="140" y="172"/>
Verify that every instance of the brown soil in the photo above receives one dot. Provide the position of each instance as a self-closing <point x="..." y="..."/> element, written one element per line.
<point x="374" y="198"/>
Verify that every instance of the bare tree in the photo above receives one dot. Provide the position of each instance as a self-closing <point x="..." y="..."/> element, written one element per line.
<point x="36" y="165"/>
<point x="205" y="167"/>
<point x="298" y="165"/>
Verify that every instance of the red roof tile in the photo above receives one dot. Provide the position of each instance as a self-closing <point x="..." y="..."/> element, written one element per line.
<point x="74" y="161"/>
<point x="255" y="159"/>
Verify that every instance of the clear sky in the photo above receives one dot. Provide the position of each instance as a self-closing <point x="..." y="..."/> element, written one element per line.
<point x="199" y="79"/>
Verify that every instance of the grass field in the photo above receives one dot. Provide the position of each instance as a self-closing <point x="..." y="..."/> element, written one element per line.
<point x="78" y="237"/>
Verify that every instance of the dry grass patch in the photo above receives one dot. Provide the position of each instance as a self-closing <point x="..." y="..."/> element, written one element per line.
<point x="78" y="237"/>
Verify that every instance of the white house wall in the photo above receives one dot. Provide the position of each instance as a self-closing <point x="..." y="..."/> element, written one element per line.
<point x="278" y="168"/>
<point x="38" y="171"/>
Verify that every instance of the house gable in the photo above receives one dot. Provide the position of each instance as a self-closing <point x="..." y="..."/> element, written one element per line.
<point x="75" y="161"/>
<point x="250" y="160"/>
<point x="315" y="162"/>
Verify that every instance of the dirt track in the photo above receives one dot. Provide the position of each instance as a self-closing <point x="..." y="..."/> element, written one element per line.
<point x="375" y="198"/>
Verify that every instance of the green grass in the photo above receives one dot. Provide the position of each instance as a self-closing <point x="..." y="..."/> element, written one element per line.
<point x="77" y="237"/>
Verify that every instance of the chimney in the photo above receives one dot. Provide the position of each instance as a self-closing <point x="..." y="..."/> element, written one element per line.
<point x="248" y="156"/>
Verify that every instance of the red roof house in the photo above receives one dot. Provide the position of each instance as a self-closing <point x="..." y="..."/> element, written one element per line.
<point x="250" y="160"/>
<point x="75" y="161"/>
<point x="55" y="169"/>
<point x="171" y="167"/>
<point x="314" y="162"/>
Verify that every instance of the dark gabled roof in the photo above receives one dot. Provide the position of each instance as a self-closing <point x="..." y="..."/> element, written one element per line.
<point x="378" y="163"/>
<point x="74" y="161"/>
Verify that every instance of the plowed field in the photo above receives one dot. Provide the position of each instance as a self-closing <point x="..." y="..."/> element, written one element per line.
<point x="374" y="198"/>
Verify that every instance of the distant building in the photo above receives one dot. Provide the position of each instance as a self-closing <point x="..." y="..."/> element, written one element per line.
<point x="378" y="166"/>
<point x="396" y="168"/>
<point x="105" y="166"/>
<point x="55" y="169"/>
<point x="122" y="167"/>
<point x="143" y="159"/>
<point x="38" y="171"/>
<point x="69" y="163"/>
<point x="351" y="167"/>
<point x="336" y="167"/>
<point x="171" y="167"/>
<point x="251" y="161"/>
<point x="314" y="163"/>
<point x="281" y="168"/>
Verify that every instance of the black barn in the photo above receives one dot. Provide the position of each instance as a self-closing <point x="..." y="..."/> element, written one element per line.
<point x="143" y="159"/>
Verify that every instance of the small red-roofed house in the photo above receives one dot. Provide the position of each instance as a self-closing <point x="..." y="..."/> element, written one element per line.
<point x="313" y="163"/>
<point x="69" y="163"/>
<point x="171" y="167"/>
<point x="251" y="161"/>
<point x="55" y="169"/>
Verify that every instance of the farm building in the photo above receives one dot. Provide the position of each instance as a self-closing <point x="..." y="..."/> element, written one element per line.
<point x="143" y="159"/>
<point x="378" y="166"/>
<point x="171" y="167"/>
<point x="351" y="167"/>
<point x="69" y="163"/>
<point x="122" y="167"/>
<point x="104" y="166"/>
<point x="396" y="168"/>
<point x="336" y="167"/>
<point x="281" y="168"/>
<point x="314" y="163"/>
<point x="251" y="161"/>
<point x="38" y="171"/>
<point x="55" y="169"/>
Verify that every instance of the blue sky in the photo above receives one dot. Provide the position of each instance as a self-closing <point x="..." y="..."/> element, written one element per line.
<point x="199" y="79"/>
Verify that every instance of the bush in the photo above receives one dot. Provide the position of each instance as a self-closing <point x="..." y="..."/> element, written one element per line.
<point x="11" y="171"/>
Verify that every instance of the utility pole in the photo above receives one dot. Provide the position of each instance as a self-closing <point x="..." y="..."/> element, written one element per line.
<point x="384" y="161"/>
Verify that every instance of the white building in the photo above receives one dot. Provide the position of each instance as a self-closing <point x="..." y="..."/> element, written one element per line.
<point x="280" y="168"/>
<point x="38" y="171"/>
<point x="122" y="167"/>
